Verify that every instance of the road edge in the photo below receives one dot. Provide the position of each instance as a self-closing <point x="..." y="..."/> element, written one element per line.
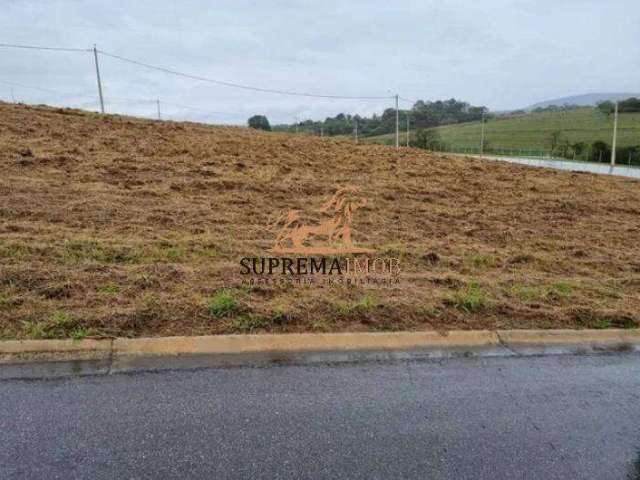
<point x="50" y="358"/>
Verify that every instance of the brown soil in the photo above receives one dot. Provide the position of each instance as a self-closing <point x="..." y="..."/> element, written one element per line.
<point x="118" y="226"/>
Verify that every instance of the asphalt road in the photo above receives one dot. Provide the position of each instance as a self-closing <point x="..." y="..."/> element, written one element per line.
<point x="564" y="417"/>
<point x="575" y="166"/>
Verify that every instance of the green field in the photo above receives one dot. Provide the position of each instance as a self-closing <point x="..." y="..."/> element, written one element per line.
<point x="533" y="131"/>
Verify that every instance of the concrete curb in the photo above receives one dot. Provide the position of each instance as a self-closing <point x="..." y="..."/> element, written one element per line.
<point x="35" y="358"/>
<point x="537" y="342"/>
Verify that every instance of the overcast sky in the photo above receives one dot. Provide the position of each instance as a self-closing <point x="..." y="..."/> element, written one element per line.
<point x="499" y="53"/>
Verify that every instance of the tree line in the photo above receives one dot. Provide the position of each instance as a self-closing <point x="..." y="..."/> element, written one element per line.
<point x="421" y="115"/>
<point x="629" y="105"/>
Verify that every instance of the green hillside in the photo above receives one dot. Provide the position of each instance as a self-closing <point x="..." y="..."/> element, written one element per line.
<point x="534" y="130"/>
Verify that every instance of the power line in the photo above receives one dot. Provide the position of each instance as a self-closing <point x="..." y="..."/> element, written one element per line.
<point x="200" y="109"/>
<point x="123" y="100"/>
<point x="45" y="90"/>
<point x="239" y="85"/>
<point x="117" y="99"/>
<point x="196" y="77"/>
<point x="36" y="47"/>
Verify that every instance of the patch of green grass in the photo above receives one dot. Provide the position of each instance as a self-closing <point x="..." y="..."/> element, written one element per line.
<point x="33" y="329"/>
<point x="79" y="333"/>
<point x="528" y="293"/>
<point x="4" y="300"/>
<point x="602" y="323"/>
<point x="222" y="304"/>
<point x="60" y="318"/>
<point x="481" y="261"/>
<point x="365" y="304"/>
<point x="174" y="254"/>
<point x="540" y="293"/>
<point x="58" y="325"/>
<point x="79" y="251"/>
<point x="561" y="289"/>
<point x="471" y="298"/>
<point x="248" y="323"/>
<point x="14" y="251"/>
<point x="109" y="288"/>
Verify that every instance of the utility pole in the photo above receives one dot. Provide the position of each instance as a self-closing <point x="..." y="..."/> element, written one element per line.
<point x="12" y="96"/>
<point x="356" y="131"/>
<point x="95" y="56"/>
<point x="482" y="136"/>
<point x="397" y="125"/>
<point x="407" y="129"/>
<point x="615" y="135"/>
<point x="158" y="105"/>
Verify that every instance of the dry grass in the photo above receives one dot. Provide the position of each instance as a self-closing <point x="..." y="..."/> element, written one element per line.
<point x="117" y="226"/>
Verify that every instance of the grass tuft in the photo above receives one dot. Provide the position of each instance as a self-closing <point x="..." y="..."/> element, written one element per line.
<point x="109" y="288"/>
<point x="222" y="304"/>
<point x="481" y="261"/>
<point x="248" y="323"/>
<point x="365" y="304"/>
<point x="58" y="325"/>
<point x="471" y="298"/>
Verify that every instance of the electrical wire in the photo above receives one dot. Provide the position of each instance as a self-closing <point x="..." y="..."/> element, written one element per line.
<point x="197" y="77"/>
<point x="210" y="112"/>
<point x="185" y="75"/>
<point x="121" y="100"/>
<point x="45" y="90"/>
<point x="35" y="47"/>
<point x="238" y="85"/>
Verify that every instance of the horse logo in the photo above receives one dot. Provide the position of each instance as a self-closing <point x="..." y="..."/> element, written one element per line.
<point x="297" y="236"/>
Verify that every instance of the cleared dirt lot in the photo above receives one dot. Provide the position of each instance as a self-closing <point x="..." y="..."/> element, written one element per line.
<point x="118" y="226"/>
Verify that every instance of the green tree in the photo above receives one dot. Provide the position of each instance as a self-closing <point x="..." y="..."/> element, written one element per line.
<point x="579" y="147"/>
<point x="259" y="122"/>
<point x="427" y="138"/>
<point x="555" y="139"/>
<point x="629" y="105"/>
<point x="600" y="151"/>
<point x="606" y="107"/>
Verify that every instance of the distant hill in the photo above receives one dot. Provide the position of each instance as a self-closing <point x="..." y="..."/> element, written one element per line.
<point x="586" y="100"/>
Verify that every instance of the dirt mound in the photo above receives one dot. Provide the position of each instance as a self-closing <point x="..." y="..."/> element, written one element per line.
<point x="118" y="226"/>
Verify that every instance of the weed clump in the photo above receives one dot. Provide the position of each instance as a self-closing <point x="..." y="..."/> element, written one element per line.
<point x="58" y="325"/>
<point x="471" y="298"/>
<point x="222" y="304"/>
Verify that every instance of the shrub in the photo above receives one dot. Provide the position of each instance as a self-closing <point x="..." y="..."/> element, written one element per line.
<point x="259" y="122"/>
<point x="427" y="138"/>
